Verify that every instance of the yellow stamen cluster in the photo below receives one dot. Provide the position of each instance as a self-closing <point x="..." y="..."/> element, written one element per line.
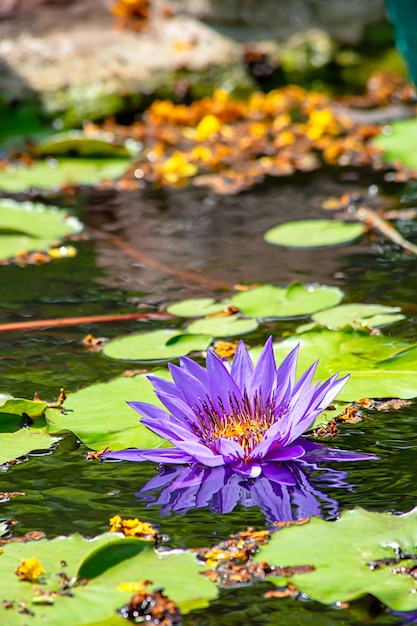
<point x="246" y="424"/>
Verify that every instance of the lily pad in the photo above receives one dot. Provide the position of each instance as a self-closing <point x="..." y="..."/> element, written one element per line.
<point x="22" y="428"/>
<point x="342" y="553"/>
<point x="296" y="300"/>
<point x="227" y="326"/>
<point x="17" y="406"/>
<point x="196" y="307"/>
<point x="119" y="559"/>
<point x="53" y="173"/>
<point x="379" y="366"/>
<point x="358" y="316"/>
<point x="399" y="142"/>
<point x="101" y="144"/>
<point x="36" y="220"/>
<point x="99" y="414"/>
<point x="157" y="345"/>
<point x="32" y="226"/>
<point x="313" y="233"/>
<point x="22" y="442"/>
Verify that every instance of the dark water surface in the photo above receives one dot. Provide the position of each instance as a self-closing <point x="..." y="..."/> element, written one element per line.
<point x="221" y="238"/>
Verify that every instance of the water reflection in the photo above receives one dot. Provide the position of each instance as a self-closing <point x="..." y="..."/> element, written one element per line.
<point x="292" y="492"/>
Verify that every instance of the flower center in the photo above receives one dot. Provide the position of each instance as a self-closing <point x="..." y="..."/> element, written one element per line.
<point x="246" y="423"/>
<point x="247" y="433"/>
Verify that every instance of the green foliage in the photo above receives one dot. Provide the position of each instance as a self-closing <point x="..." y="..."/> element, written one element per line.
<point x="23" y="441"/>
<point x="227" y="326"/>
<point x="358" y="316"/>
<point x="157" y="345"/>
<point x="313" y="233"/>
<point x="99" y="414"/>
<point x="399" y="142"/>
<point x="16" y="406"/>
<point x="32" y="226"/>
<point x="340" y="552"/>
<point x="53" y="173"/>
<point x="106" y="561"/>
<point x="379" y="366"/>
<point x="18" y="437"/>
<point x="196" y="307"/>
<point x="76" y="142"/>
<point x="296" y="300"/>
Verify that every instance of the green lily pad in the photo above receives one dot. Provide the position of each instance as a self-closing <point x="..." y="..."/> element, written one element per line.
<point x="196" y="307"/>
<point x="157" y="345"/>
<point x="17" y="406"/>
<point x="399" y="142"/>
<point x="29" y="227"/>
<point x="101" y="144"/>
<point x="227" y="326"/>
<point x="17" y="437"/>
<point x="358" y="316"/>
<point x="22" y="442"/>
<point x="340" y="552"/>
<point x="279" y="302"/>
<point x="99" y="414"/>
<point x="379" y="366"/>
<point x="53" y="174"/>
<point x="36" y="220"/>
<point x="119" y="559"/>
<point x="313" y="233"/>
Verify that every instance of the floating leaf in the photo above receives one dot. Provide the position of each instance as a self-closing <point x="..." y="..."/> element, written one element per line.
<point x="196" y="307"/>
<point x="227" y="326"/>
<point x="358" y="315"/>
<point x="100" y="144"/>
<point x="20" y="435"/>
<point x="36" y="219"/>
<point x="313" y="233"/>
<point x="17" y="406"/>
<point x="280" y="302"/>
<point x="32" y="226"/>
<point x="157" y="345"/>
<point x="341" y="552"/>
<point x="399" y="142"/>
<point x="22" y="442"/>
<point x="379" y="366"/>
<point x="110" y="560"/>
<point x="99" y="414"/>
<point x="53" y="173"/>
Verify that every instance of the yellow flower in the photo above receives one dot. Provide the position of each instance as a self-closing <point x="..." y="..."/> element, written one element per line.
<point x="208" y="127"/>
<point x="30" y="570"/>
<point x="175" y="169"/>
<point x="132" y="528"/>
<point x="321" y="122"/>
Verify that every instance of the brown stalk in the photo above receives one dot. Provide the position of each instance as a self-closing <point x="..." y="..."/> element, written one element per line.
<point x="86" y="319"/>
<point x="372" y="220"/>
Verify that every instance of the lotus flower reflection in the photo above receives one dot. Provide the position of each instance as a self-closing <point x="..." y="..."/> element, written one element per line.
<point x="248" y="417"/>
<point x="294" y="491"/>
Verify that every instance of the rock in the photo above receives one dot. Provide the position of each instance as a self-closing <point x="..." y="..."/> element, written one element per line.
<point x="90" y="71"/>
<point x="66" y="59"/>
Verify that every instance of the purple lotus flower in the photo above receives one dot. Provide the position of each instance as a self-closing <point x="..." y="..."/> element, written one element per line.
<point x="293" y="492"/>
<point x="248" y="417"/>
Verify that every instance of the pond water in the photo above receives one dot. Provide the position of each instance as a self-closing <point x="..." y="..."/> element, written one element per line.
<point x="220" y="239"/>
